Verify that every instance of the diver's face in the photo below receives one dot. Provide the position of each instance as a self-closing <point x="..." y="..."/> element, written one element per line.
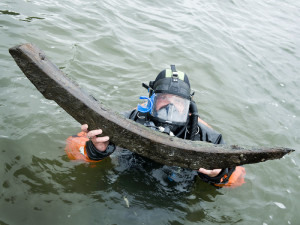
<point x="162" y="100"/>
<point x="171" y="108"/>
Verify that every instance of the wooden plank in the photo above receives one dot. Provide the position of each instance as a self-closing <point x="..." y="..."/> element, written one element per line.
<point x="54" y="85"/>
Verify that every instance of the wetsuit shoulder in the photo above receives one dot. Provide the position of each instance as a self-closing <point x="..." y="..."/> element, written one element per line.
<point x="210" y="135"/>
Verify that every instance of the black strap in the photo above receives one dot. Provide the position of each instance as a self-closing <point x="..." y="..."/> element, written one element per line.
<point x="149" y="87"/>
<point x="174" y="73"/>
<point x="138" y="117"/>
<point x="145" y="86"/>
<point x="133" y="115"/>
<point x="173" y="68"/>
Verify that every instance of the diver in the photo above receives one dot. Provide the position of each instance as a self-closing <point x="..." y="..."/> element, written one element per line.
<point x="168" y="109"/>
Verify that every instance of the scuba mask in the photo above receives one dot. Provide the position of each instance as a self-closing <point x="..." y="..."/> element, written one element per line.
<point x="170" y="109"/>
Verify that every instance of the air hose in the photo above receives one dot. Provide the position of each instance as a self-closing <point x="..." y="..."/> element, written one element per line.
<point x="194" y="120"/>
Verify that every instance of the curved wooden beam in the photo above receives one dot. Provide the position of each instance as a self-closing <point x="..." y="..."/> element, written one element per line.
<point x="84" y="108"/>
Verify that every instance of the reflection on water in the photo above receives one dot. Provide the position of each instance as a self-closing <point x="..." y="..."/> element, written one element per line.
<point x="29" y="19"/>
<point x="242" y="59"/>
<point x="9" y="12"/>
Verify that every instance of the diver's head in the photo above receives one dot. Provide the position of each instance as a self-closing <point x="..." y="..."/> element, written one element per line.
<point x="172" y="98"/>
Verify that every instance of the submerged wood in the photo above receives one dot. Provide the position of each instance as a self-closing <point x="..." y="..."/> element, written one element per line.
<point x="125" y="133"/>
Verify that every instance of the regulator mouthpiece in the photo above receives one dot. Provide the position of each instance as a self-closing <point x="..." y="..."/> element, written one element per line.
<point x="147" y="105"/>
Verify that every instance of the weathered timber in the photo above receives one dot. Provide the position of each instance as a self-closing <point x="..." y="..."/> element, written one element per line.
<point x="84" y="108"/>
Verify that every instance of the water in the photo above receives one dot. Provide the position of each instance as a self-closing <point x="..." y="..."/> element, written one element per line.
<point x="242" y="58"/>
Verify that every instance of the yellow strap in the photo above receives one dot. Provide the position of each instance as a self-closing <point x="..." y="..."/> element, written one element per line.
<point x="180" y="74"/>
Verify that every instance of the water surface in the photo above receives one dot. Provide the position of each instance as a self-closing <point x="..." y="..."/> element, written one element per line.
<point x="242" y="58"/>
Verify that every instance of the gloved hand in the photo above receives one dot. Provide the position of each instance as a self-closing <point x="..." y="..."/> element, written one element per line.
<point x="100" y="143"/>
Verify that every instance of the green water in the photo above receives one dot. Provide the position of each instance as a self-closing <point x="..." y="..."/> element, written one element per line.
<point x="242" y="58"/>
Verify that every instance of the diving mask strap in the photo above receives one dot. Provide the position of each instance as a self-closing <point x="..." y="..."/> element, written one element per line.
<point x="149" y="87"/>
<point x="174" y="73"/>
<point x="145" y="86"/>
